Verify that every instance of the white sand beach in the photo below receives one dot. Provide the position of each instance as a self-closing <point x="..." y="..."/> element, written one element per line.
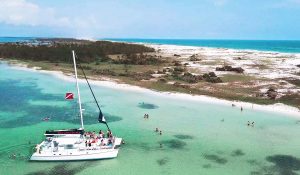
<point x="277" y="108"/>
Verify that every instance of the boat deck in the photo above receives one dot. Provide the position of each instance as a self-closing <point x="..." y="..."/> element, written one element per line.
<point x="76" y="147"/>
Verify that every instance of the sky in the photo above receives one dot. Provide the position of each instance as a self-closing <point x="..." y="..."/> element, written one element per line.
<point x="167" y="19"/>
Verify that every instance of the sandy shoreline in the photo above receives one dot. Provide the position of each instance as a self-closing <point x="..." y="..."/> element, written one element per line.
<point x="275" y="108"/>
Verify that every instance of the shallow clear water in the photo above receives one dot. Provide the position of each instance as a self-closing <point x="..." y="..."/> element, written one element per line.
<point x="198" y="137"/>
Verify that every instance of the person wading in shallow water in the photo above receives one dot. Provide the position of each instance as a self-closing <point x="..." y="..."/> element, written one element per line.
<point x="146" y="116"/>
<point x="250" y="124"/>
<point x="156" y="130"/>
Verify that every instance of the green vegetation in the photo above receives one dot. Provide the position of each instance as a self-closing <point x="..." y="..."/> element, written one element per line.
<point x="60" y="52"/>
<point x="138" y="59"/>
<point x="293" y="100"/>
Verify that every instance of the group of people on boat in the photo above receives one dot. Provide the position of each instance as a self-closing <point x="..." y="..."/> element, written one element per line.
<point x="101" y="134"/>
<point x="93" y="138"/>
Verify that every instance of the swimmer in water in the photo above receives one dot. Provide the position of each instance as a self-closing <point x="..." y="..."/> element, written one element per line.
<point x="46" y="119"/>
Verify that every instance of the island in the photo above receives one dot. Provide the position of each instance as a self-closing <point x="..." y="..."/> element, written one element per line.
<point x="237" y="75"/>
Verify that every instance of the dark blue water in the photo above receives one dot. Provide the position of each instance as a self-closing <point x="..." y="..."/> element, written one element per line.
<point x="16" y="39"/>
<point x="285" y="46"/>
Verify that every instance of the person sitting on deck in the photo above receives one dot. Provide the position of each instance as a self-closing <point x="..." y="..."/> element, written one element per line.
<point x="94" y="134"/>
<point x="101" y="134"/>
<point x="109" y="142"/>
<point x="88" y="134"/>
<point x="102" y="143"/>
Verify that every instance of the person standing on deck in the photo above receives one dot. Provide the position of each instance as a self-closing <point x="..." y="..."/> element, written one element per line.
<point x="109" y="133"/>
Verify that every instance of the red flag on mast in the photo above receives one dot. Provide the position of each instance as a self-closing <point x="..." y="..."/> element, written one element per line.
<point x="69" y="96"/>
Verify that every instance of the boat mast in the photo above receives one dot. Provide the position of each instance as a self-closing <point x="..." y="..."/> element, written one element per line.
<point x="78" y="92"/>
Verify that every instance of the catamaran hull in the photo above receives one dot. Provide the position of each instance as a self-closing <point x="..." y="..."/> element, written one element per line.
<point x="106" y="154"/>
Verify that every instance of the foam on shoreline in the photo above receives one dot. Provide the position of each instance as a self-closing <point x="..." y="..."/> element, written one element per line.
<point x="275" y="108"/>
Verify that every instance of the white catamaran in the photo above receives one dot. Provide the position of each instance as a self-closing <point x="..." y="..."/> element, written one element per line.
<point x="76" y="144"/>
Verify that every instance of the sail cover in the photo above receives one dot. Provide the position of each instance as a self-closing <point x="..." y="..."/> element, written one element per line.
<point x="101" y="118"/>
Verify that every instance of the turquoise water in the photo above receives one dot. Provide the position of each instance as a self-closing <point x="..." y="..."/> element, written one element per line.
<point x="16" y="39"/>
<point x="198" y="137"/>
<point x="286" y="46"/>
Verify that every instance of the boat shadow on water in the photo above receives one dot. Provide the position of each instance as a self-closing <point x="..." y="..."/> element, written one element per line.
<point x="64" y="169"/>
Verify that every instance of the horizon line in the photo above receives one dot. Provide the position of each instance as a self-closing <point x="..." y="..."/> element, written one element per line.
<point x="139" y="38"/>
